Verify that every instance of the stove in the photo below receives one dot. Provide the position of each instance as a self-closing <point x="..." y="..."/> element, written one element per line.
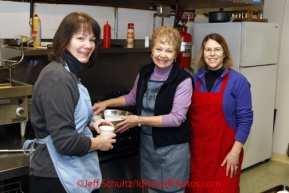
<point x="13" y="100"/>
<point x="121" y="164"/>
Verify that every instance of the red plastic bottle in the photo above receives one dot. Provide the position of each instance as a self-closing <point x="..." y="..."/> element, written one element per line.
<point x="106" y="35"/>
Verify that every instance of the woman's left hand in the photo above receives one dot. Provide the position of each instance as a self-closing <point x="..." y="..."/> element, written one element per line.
<point x="232" y="159"/>
<point x="95" y="125"/>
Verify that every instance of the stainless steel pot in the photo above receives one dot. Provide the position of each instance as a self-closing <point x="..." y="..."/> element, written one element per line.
<point x="114" y="115"/>
<point x="219" y="16"/>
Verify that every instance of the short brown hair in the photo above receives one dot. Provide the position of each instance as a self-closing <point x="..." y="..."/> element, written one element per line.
<point x="167" y="34"/>
<point x="227" y="62"/>
<point x="71" y="24"/>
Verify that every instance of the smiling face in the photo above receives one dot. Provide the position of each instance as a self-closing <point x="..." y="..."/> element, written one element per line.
<point x="163" y="55"/>
<point x="82" y="45"/>
<point x="213" y="55"/>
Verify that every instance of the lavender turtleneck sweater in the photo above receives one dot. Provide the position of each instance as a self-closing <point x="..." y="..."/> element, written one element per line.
<point x="182" y="99"/>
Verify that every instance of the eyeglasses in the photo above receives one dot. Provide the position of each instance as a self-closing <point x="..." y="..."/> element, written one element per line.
<point x="216" y="50"/>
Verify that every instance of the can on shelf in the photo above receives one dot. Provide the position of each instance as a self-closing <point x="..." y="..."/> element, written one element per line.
<point x="36" y="31"/>
<point x="130" y="35"/>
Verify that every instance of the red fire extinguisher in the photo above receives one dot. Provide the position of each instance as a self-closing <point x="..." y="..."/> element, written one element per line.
<point x="184" y="56"/>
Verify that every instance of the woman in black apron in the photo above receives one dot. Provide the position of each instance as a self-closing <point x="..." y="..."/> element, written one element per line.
<point x="162" y="94"/>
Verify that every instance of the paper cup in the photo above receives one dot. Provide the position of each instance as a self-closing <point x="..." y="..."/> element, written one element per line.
<point x="105" y="129"/>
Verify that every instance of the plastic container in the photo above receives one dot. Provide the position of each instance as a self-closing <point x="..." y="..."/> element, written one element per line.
<point x="106" y="35"/>
<point x="147" y="41"/>
<point x="36" y="31"/>
<point x="130" y="35"/>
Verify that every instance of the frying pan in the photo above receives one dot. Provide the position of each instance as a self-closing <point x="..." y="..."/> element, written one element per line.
<point x="218" y="16"/>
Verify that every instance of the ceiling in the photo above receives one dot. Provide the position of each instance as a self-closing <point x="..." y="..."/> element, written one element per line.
<point x="152" y="4"/>
<point x="201" y="4"/>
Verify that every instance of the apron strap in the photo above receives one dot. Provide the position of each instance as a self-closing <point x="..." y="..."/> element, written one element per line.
<point x="224" y="84"/>
<point x="29" y="144"/>
<point x="198" y="84"/>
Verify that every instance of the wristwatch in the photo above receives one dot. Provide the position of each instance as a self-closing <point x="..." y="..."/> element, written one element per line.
<point x="139" y="123"/>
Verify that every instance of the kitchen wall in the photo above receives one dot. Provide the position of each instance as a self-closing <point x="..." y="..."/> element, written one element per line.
<point x="14" y="18"/>
<point x="279" y="11"/>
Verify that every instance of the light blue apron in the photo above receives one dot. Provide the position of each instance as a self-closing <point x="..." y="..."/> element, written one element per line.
<point x="77" y="174"/>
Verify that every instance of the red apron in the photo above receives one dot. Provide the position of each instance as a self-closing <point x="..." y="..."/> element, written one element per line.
<point x="212" y="139"/>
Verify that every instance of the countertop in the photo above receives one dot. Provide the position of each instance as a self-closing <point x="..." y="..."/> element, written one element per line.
<point x="16" y="163"/>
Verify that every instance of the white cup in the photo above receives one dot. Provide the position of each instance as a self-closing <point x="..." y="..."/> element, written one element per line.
<point x="105" y="129"/>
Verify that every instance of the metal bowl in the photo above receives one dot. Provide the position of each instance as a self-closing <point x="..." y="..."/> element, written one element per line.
<point x="114" y="115"/>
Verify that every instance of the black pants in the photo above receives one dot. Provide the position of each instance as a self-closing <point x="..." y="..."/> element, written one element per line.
<point x="47" y="185"/>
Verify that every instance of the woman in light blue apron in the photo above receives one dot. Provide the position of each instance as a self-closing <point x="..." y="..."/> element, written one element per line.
<point x="65" y="159"/>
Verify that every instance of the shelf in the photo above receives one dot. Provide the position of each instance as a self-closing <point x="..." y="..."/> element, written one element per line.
<point x="124" y="50"/>
<point x="139" y="48"/>
<point x="250" y="20"/>
<point x="31" y="51"/>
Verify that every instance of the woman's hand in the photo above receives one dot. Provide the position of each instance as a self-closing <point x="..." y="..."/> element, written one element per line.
<point x="99" y="107"/>
<point x="105" y="142"/>
<point x="95" y="125"/>
<point x="127" y="123"/>
<point x="232" y="159"/>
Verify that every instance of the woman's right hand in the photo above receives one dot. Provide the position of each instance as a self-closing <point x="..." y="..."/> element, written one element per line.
<point x="103" y="142"/>
<point x="99" y="107"/>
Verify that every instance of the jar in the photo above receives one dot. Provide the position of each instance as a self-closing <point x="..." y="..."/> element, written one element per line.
<point x="130" y="35"/>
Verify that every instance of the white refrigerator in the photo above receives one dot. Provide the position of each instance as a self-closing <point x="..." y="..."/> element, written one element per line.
<point x="254" y="48"/>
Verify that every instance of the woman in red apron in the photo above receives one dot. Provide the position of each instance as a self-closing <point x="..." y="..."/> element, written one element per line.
<point x="221" y="117"/>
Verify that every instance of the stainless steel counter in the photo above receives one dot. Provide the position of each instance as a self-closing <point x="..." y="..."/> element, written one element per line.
<point x="16" y="163"/>
<point x="13" y="165"/>
<point x="117" y="165"/>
